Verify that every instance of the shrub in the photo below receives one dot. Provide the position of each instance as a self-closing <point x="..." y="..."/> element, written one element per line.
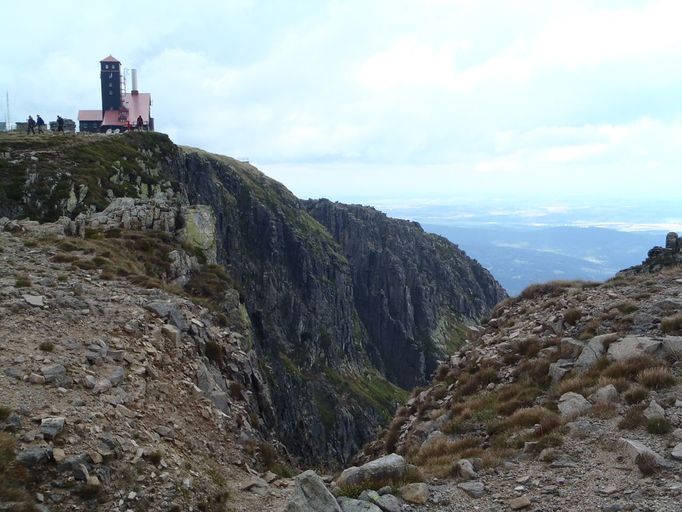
<point x="633" y="418"/>
<point x="656" y="378"/>
<point x="647" y="464"/>
<point x="47" y="346"/>
<point x="626" y="307"/>
<point x="22" y="282"/>
<point x="671" y="324"/>
<point x="630" y="368"/>
<point x="154" y="457"/>
<point x="636" y="395"/>
<point x="658" y="426"/>
<point x="571" y="316"/>
<point x="4" y="412"/>
<point x="214" y="351"/>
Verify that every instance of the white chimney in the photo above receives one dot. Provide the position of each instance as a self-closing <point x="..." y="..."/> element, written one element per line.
<point x="134" y="75"/>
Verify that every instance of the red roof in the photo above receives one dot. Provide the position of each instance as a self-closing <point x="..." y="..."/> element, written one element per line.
<point x="138" y="105"/>
<point x="113" y="118"/>
<point x="89" y="115"/>
<point x="110" y="59"/>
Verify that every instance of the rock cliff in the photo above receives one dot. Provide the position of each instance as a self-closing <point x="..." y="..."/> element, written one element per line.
<point x="336" y="319"/>
<point x="413" y="291"/>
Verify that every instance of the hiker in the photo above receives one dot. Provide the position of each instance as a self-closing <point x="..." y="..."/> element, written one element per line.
<point x="31" y="126"/>
<point x="60" y="124"/>
<point x="129" y="127"/>
<point x="40" y="123"/>
<point x="140" y="123"/>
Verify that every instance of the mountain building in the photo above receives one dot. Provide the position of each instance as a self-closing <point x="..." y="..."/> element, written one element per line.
<point x="120" y="109"/>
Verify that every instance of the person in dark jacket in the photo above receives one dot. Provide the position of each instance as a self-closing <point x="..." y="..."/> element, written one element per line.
<point x="140" y="123"/>
<point x="31" y="125"/>
<point x="40" y="123"/>
<point x="60" y="124"/>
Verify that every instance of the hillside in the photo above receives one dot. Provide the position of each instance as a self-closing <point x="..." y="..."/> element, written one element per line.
<point x="569" y="396"/>
<point x="256" y="294"/>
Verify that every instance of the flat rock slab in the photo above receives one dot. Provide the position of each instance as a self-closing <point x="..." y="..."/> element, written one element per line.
<point x="52" y="426"/>
<point x="520" y="502"/>
<point x="475" y="489"/>
<point x="677" y="452"/>
<point x="632" y="346"/>
<point x="34" y="300"/>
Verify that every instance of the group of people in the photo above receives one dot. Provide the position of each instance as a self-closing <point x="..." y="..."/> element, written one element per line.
<point x="139" y="124"/>
<point x="40" y="124"/>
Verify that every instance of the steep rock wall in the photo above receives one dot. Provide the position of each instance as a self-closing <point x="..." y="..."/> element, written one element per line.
<point x="412" y="290"/>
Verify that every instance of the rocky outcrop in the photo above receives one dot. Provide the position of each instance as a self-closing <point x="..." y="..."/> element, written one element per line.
<point x="326" y="337"/>
<point x="413" y="291"/>
<point x="660" y="257"/>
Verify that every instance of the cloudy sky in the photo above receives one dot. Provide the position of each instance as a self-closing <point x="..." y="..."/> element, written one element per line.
<point x="398" y="100"/>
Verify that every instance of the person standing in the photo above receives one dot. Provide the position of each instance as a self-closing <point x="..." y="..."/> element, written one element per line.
<point x="60" y="124"/>
<point x="40" y="123"/>
<point x="31" y="125"/>
<point x="140" y="123"/>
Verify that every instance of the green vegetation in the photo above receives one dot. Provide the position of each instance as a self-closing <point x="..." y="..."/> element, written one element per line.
<point x="23" y="282"/>
<point x="46" y="346"/>
<point x="73" y="173"/>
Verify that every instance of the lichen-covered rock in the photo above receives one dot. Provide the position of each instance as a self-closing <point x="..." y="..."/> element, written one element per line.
<point x="311" y="495"/>
<point x="374" y="474"/>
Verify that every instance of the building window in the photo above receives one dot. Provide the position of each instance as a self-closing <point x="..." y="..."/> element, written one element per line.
<point x="106" y="66"/>
<point x="111" y="93"/>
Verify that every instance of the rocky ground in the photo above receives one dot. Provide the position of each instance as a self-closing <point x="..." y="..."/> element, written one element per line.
<point x="99" y="397"/>
<point x="121" y="396"/>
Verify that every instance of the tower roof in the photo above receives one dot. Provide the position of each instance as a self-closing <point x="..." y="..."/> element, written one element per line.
<point x="110" y="59"/>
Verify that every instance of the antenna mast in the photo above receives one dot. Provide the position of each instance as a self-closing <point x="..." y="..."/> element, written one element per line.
<point x="7" y="127"/>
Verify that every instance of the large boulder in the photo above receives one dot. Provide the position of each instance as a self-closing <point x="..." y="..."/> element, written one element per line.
<point x="311" y="495"/>
<point x="374" y="474"/>
<point x="591" y="353"/>
<point x="632" y="346"/>
<point x="573" y="404"/>
<point x="351" y="505"/>
<point x="634" y="448"/>
<point x="415" y="493"/>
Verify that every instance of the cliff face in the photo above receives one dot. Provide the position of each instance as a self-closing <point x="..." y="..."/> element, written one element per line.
<point x="338" y="299"/>
<point x="413" y="290"/>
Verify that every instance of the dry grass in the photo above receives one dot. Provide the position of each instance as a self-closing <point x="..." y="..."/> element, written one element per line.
<point x="436" y="457"/>
<point x="13" y="477"/>
<point x="658" y="426"/>
<point x="626" y="307"/>
<point x="636" y="395"/>
<point x="630" y="368"/>
<point x="527" y="417"/>
<point x="603" y="410"/>
<point x="672" y="324"/>
<point x="658" y="377"/>
<point x="647" y="464"/>
<point x="572" y="315"/>
<point x="633" y="418"/>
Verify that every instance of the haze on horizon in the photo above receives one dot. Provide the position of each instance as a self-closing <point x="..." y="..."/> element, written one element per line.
<point x="548" y="104"/>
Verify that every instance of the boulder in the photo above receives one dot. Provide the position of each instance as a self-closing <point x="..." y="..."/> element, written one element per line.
<point x="654" y="411"/>
<point x="351" y="505"/>
<point x="374" y="474"/>
<point x="117" y="376"/>
<point x="520" y="502"/>
<point x="633" y="448"/>
<point x="311" y="495"/>
<point x="475" y="489"/>
<point x="465" y="469"/>
<point x="672" y="346"/>
<point x="607" y="394"/>
<point x="591" y="353"/>
<point x="677" y="452"/>
<point x="54" y="372"/>
<point x="34" y="300"/>
<point x="51" y="427"/>
<point x="573" y="404"/>
<point x="32" y="456"/>
<point x="559" y="369"/>
<point x="632" y="346"/>
<point x="415" y="493"/>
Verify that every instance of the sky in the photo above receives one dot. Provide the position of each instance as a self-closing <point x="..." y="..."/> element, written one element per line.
<point x="547" y="103"/>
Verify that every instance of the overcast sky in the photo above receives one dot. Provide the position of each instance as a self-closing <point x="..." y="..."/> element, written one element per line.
<point x="422" y="100"/>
